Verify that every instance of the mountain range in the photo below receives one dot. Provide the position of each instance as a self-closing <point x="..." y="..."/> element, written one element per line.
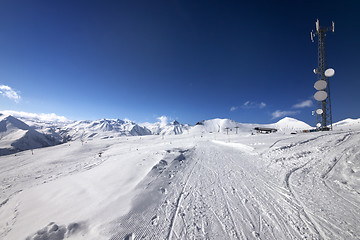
<point x="23" y="133"/>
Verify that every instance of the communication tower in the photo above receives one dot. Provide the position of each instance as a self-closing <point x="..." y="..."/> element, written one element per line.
<point x="322" y="85"/>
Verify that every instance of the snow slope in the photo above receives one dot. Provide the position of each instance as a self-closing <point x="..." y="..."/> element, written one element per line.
<point x="197" y="185"/>
<point x="347" y="124"/>
<point x="288" y="124"/>
<point x="16" y="136"/>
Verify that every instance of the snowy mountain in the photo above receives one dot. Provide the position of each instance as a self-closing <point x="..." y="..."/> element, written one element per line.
<point x="219" y="125"/>
<point x="15" y="136"/>
<point x="85" y="129"/>
<point x="288" y="124"/>
<point x="63" y="131"/>
<point x="164" y="128"/>
<point x="347" y="124"/>
<point x="104" y="128"/>
<point x="49" y="128"/>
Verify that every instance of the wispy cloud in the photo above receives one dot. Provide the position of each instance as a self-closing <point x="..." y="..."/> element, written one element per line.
<point x="279" y="114"/>
<point x="8" y="92"/>
<point x="233" y="108"/>
<point x="303" y="104"/>
<point x="163" y="120"/>
<point x="250" y="104"/>
<point x="47" y="117"/>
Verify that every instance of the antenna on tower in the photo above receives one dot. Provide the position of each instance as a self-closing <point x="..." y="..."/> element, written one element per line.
<point x="312" y="35"/>
<point x="317" y="24"/>
<point x="322" y="85"/>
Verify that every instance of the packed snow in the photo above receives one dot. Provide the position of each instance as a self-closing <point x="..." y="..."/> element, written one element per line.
<point x="216" y="180"/>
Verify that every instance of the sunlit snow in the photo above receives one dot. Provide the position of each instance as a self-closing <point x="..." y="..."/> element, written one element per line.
<point x="200" y="184"/>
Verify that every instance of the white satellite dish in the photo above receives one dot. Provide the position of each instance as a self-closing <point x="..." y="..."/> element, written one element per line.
<point x="329" y="72"/>
<point x="319" y="111"/>
<point x="320" y="95"/>
<point x="318" y="125"/>
<point x="315" y="71"/>
<point x="320" y="85"/>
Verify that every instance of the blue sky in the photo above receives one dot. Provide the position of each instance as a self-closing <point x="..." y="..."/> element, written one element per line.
<point x="187" y="60"/>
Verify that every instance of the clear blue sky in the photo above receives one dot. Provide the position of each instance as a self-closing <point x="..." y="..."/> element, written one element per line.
<point x="188" y="60"/>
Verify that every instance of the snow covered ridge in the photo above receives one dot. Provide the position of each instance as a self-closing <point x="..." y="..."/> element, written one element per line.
<point x="347" y="124"/>
<point x="226" y="125"/>
<point x="23" y="133"/>
<point x="15" y="136"/>
<point x="104" y="128"/>
<point x="161" y="128"/>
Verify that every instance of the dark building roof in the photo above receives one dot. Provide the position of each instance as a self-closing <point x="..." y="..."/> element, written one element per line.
<point x="267" y="130"/>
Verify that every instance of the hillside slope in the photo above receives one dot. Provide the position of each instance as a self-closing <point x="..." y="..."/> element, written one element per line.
<point x="15" y="136"/>
<point x="239" y="186"/>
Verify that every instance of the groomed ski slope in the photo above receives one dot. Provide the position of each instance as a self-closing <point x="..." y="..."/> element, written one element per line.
<point x="190" y="186"/>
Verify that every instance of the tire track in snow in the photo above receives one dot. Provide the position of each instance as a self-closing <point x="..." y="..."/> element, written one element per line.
<point x="148" y="218"/>
<point x="307" y="213"/>
<point x="178" y="204"/>
<point x="264" y="201"/>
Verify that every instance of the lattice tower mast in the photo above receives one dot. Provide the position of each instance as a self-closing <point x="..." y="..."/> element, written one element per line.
<point x="323" y="112"/>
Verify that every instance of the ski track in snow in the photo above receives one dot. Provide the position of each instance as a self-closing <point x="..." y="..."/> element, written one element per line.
<point x="288" y="187"/>
<point x="239" y="200"/>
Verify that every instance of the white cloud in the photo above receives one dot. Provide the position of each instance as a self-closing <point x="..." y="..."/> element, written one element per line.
<point x="279" y="114"/>
<point x="163" y="120"/>
<point x="303" y="104"/>
<point x="250" y="104"/>
<point x="8" y="92"/>
<point x="233" y="108"/>
<point x="48" y="117"/>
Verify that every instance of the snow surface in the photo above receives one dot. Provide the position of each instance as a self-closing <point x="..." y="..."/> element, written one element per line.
<point x="202" y="184"/>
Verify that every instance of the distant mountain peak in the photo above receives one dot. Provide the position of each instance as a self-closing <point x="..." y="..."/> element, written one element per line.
<point x="175" y="122"/>
<point x="17" y="136"/>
